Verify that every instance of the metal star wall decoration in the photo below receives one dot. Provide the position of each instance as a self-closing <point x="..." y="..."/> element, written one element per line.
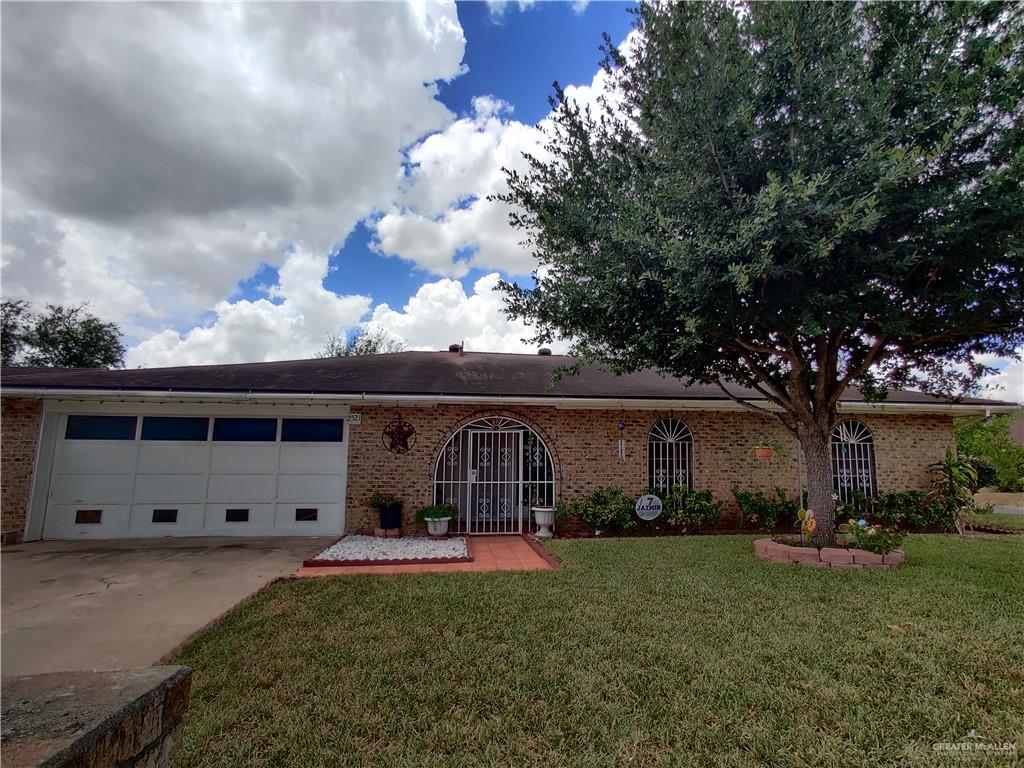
<point x="399" y="436"/>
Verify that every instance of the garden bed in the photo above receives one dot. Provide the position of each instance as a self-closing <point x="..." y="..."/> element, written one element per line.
<point x="827" y="557"/>
<point x="407" y="550"/>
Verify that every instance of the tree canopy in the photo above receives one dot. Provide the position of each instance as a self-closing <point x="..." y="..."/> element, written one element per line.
<point x="60" y="337"/>
<point x="374" y="341"/>
<point x="795" y="197"/>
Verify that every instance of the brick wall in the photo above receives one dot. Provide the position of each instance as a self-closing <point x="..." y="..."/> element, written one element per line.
<point x="19" y="431"/>
<point x="583" y="446"/>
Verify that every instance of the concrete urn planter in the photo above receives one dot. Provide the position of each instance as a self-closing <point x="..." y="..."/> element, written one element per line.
<point x="438" y="526"/>
<point x="545" y="519"/>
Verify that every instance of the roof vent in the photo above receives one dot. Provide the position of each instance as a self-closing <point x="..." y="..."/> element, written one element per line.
<point x="454" y="347"/>
<point x="543" y="351"/>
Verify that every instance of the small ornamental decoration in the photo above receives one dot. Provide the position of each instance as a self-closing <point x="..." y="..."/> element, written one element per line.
<point x="399" y="436"/>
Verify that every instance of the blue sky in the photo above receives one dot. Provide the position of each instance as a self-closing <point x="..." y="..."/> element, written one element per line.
<point x="515" y="57"/>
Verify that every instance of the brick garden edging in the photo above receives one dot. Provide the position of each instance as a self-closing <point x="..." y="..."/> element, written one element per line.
<point x="827" y="557"/>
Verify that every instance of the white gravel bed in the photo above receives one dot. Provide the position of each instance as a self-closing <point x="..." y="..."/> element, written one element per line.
<point x="404" y="548"/>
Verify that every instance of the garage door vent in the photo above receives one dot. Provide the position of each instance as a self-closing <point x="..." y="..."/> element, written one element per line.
<point x="236" y="516"/>
<point x="88" y="516"/>
<point x="305" y="515"/>
<point x="165" y="515"/>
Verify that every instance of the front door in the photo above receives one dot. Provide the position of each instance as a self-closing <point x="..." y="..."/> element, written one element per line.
<point x="495" y="489"/>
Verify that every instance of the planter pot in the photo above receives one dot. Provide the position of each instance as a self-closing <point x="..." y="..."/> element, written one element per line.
<point x="763" y="454"/>
<point x="438" y="526"/>
<point x="390" y="517"/>
<point x="545" y="519"/>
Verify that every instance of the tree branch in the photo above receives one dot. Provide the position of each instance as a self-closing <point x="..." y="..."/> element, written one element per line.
<point x="755" y="408"/>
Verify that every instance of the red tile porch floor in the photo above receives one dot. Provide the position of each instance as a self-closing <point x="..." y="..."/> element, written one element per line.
<point x="490" y="553"/>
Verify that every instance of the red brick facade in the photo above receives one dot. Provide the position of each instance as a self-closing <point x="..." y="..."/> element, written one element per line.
<point x="19" y="431"/>
<point x="583" y="445"/>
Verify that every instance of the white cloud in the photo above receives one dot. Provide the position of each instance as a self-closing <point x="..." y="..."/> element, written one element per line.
<point x="1008" y="382"/>
<point x="497" y="8"/>
<point x="443" y="221"/>
<point x="292" y="323"/>
<point x="156" y="154"/>
<point x="441" y="313"/>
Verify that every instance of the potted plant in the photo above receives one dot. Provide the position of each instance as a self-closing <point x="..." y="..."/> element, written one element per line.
<point x="766" y="448"/>
<point x="437" y="517"/>
<point x="543" y="516"/>
<point x="390" y="509"/>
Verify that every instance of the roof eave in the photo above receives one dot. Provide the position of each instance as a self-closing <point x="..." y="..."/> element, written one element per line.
<point x="557" y="401"/>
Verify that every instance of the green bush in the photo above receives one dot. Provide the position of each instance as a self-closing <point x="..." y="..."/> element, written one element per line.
<point x="906" y="509"/>
<point x="990" y="441"/>
<point x="690" y="510"/>
<point x="760" y="510"/>
<point x="875" y="538"/>
<point x="604" y="509"/>
<point x="437" y="512"/>
<point x="385" y="501"/>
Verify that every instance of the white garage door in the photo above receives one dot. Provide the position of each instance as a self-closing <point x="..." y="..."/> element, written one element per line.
<point x="127" y="476"/>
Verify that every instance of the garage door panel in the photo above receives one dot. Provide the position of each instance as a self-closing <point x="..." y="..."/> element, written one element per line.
<point x="93" y="489"/>
<point x="181" y="488"/>
<point x="328" y="519"/>
<point x="97" y="456"/>
<point x="242" y="488"/>
<point x="236" y="458"/>
<point x="259" y="518"/>
<point x="188" y="519"/>
<point x="309" y="488"/>
<point x="174" y="458"/>
<point x="60" y="522"/>
<point x="326" y="459"/>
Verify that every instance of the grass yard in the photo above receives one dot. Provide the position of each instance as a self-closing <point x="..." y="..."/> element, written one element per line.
<point x="681" y="651"/>
<point x="998" y="520"/>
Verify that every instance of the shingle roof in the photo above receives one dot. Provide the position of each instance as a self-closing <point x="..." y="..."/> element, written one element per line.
<point x="404" y="373"/>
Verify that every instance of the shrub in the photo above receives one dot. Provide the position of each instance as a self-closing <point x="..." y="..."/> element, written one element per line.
<point x="436" y="512"/>
<point x="605" y="508"/>
<point x="759" y="509"/>
<point x="905" y="509"/>
<point x="990" y="441"/>
<point x="385" y="501"/>
<point x="690" y="510"/>
<point x="875" y="538"/>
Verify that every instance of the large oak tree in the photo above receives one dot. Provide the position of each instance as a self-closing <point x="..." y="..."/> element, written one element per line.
<point x="794" y="197"/>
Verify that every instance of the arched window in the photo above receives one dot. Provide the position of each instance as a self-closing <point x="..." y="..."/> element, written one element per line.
<point x="669" y="455"/>
<point x="494" y="470"/>
<point x="853" y="460"/>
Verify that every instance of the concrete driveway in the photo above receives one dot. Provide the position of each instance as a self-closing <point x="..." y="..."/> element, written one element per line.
<point x="104" y="605"/>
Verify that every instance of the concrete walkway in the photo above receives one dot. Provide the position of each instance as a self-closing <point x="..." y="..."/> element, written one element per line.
<point x="104" y="605"/>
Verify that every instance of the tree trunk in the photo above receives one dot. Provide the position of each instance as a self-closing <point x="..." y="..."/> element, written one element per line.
<point x="814" y="441"/>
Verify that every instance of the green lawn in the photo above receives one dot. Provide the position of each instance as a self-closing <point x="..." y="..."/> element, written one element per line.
<point x="681" y="651"/>
<point x="998" y="520"/>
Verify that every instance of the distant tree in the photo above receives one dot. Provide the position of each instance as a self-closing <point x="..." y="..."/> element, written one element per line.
<point x="60" y="337"/>
<point x="990" y="441"/>
<point x="374" y="341"/>
<point x="14" y="319"/>
<point x="793" y="197"/>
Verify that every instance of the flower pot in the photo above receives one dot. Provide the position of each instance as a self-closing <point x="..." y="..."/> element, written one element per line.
<point x="763" y="454"/>
<point x="545" y="519"/>
<point x="438" y="526"/>
<point x="391" y="517"/>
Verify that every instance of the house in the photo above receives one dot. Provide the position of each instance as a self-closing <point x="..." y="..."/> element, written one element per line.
<point x="299" y="447"/>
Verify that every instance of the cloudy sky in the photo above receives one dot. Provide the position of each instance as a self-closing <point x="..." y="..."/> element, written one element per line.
<point x="235" y="182"/>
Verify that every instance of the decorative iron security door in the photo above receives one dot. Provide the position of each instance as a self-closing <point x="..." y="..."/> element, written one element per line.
<point x="493" y="471"/>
